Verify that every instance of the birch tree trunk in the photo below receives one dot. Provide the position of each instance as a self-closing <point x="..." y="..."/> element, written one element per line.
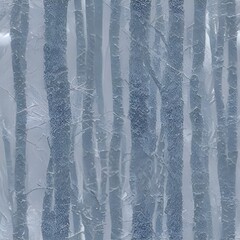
<point x="172" y="107"/>
<point x="58" y="95"/>
<point x="115" y="188"/>
<point x="19" y="33"/>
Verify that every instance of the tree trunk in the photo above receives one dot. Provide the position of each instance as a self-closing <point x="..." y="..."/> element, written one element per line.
<point x="81" y="50"/>
<point x="98" y="53"/>
<point x="75" y="202"/>
<point x="199" y="171"/>
<point x="10" y="172"/>
<point x="90" y="186"/>
<point x="58" y="94"/>
<point x="232" y="155"/>
<point x="115" y="187"/>
<point x="159" y="156"/>
<point x="81" y="79"/>
<point x="19" y="33"/>
<point x="172" y="107"/>
<point x="221" y="118"/>
<point x="101" y="134"/>
<point x="141" y="167"/>
<point x="48" y="215"/>
<point x="207" y="121"/>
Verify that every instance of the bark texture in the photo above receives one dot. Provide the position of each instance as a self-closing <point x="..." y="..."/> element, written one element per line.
<point x="58" y="95"/>
<point x="115" y="187"/>
<point x="19" y="34"/>
<point x="141" y="166"/>
<point x="172" y="105"/>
